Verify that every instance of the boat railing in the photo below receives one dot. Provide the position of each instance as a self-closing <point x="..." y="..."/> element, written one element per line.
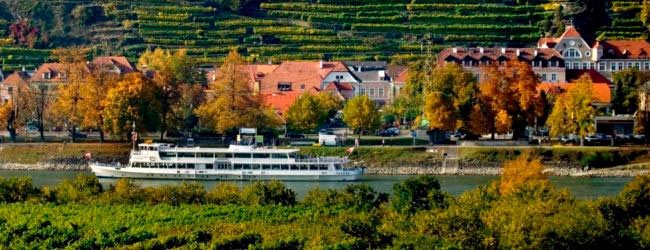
<point x="321" y="160"/>
<point x="107" y="164"/>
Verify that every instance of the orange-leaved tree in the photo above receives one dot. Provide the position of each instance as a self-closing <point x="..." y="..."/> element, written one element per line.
<point x="509" y="93"/>
<point x="67" y="109"/>
<point x="524" y="170"/>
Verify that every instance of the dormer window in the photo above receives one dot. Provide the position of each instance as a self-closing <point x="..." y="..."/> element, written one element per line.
<point x="47" y="75"/>
<point x="10" y="90"/>
<point x="339" y="77"/>
<point x="284" y="86"/>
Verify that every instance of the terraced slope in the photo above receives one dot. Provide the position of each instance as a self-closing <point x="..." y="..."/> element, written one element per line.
<point x="280" y="30"/>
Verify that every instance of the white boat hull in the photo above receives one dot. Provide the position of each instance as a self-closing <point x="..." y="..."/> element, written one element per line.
<point x="107" y="171"/>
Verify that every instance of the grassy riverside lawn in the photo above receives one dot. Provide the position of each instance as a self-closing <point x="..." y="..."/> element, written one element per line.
<point x="369" y="156"/>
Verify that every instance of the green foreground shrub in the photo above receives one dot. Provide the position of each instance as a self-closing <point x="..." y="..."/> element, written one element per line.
<point x="79" y="214"/>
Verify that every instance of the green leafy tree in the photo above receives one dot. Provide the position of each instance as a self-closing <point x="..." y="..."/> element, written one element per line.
<point x="361" y="115"/>
<point x="626" y="90"/>
<point x="449" y="97"/>
<point x="310" y="112"/>
<point x="415" y="194"/>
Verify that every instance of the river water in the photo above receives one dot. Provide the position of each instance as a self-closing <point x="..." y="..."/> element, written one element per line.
<point x="580" y="187"/>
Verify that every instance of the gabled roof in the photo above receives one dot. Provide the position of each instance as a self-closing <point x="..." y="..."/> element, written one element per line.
<point x="570" y="32"/>
<point x="299" y="73"/>
<point x="343" y="90"/>
<point x="625" y="49"/>
<point x="602" y="94"/>
<point x="53" y="68"/>
<point x="369" y="76"/>
<point x="118" y="61"/>
<point x="18" y="77"/>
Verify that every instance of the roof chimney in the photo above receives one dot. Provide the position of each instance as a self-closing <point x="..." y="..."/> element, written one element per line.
<point x="536" y="51"/>
<point x="454" y="50"/>
<point x="518" y="52"/>
<point x="321" y="64"/>
<point x="23" y="70"/>
<point x="503" y="50"/>
<point x="481" y="50"/>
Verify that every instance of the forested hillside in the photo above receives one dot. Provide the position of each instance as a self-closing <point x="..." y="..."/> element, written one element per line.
<point x="276" y="30"/>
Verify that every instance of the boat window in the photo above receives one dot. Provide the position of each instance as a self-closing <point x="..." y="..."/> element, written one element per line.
<point x="167" y="154"/>
<point x="209" y="166"/>
<point x="238" y="166"/>
<point x="240" y="155"/>
<point x="279" y="156"/>
<point x="337" y="166"/>
<point x="228" y="155"/>
<point x="220" y="155"/>
<point x="266" y="167"/>
<point x="275" y="167"/>
<point x="180" y="165"/>
<point x="206" y="155"/>
<point x="323" y="167"/>
<point x="261" y="156"/>
<point x="190" y="155"/>
<point x="190" y="166"/>
<point x="303" y="167"/>
<point x="284" y="167"/>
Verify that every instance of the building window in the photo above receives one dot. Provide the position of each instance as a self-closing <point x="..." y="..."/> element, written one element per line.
<point x="284" y="86"/>
<point x="339" y="77"/>
<point x="47" y="75"/>
<point x="553" y="64"/>
<point x="543" y="77"/>
<point x="585" y="65"/>
<point x="371" y="92"/>
<point x="646" y="65"/>
<point x="629" y="65"/>
<point x="592" y="65"/>
<point x="10" y="90"/>
<point x="637" y="65"/>
<point x="380" y="92"/>
<point x="612" y="66"/>
<point x="620" y="66"/>
<point x="362" y="91"/>
<point x="302" y="86"/>
<point x="601" y="66"/>
<point x="576" y="65"/>
<point x="572" y="53"/>
<point x="553" y="77"/>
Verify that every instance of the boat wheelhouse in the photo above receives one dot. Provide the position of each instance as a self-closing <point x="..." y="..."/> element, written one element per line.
<point x="237" y="162"/>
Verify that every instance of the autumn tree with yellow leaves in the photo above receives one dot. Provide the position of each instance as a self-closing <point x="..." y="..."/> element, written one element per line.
<point x="231" y="102"/>
<point x="67" y="108"/>
<point x="174" y="73"/>
<point x="361" y="115"/>
<point x="508" y="99"/>
<point x="572" y="112"/>
<point x="449" y="97"/>
<point x="134" y="99"/>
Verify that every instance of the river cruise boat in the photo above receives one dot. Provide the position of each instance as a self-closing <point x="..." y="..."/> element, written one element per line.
<point x="237" y="162"/>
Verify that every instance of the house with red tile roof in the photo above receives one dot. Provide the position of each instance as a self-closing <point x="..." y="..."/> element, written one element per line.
<point x="546" y="62"/>
<point x="112" y="64"/>
<point x="10" y="84"/>
<point x="606" y="57"/>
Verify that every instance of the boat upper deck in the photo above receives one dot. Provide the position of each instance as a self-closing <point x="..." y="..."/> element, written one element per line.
<point x="232" y="149"/>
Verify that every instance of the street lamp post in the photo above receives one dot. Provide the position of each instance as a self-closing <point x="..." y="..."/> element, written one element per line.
<point x="134" y="135"/>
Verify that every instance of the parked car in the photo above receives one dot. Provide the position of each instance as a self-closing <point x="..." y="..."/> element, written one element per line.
<point x="388" y="132"/>
<point x="569" y="139"/>
<point x="598" y="139"/>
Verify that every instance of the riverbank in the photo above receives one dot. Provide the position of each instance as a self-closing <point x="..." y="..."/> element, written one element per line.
<point x="559" y="161"/>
